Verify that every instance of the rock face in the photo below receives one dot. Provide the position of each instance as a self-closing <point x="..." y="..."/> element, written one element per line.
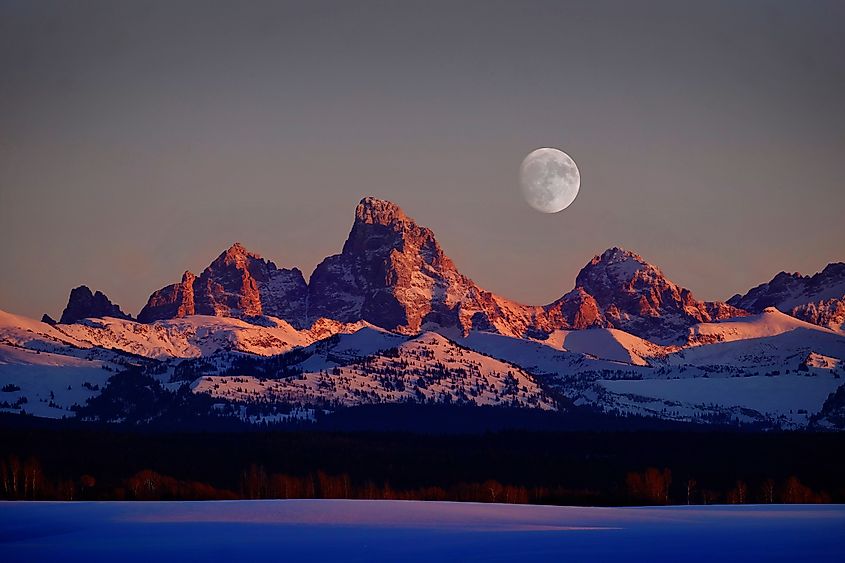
<point x="818" y="299"/>
<point x="634" y="296"/>
<point x="83" y="304"/>
<point x="393" y="274"/>
<point x="829" y="313"/>
<point x="238" y="283"/>
<point x="170" y="302"/>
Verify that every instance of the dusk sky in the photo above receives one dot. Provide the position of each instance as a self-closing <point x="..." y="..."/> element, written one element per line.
<point x="141" y="139"/>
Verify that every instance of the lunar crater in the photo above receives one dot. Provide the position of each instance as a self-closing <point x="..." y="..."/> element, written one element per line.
<point x="549" y="179"/>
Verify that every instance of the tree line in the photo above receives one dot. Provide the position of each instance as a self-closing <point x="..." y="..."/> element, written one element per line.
<point x="26" y="480"/>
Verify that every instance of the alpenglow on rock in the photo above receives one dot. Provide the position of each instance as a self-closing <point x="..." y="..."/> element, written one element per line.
<point x="238" y="283"/>
<point x="393" y="273"/>
<point x="635" y="296"/>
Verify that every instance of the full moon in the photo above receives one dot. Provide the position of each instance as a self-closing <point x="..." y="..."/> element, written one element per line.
<point x="549" y="179"/>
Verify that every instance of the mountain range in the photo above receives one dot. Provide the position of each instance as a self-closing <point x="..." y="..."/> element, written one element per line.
<point x="391" y="319"/>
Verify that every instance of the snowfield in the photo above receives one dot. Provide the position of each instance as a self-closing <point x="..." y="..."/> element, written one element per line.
<point x="770" y="370"/>
<point x="339" y="530"/>
<point x="794" y="397"/>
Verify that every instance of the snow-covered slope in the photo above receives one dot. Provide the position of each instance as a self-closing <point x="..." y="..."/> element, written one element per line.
<point x="29" y="333"/>
<point x="46" y="384"/>
<point x="608" y="344"/>
<point x="778" y="381"/>
<point x="770" y="322"/>
<point x="185" y="337"/>
<point x="789" y="400"/>
<point x="768" y="368"/>
<point x="753" y="356"/>
<point x="427" y="368"/>
<point x="189" y="336"/>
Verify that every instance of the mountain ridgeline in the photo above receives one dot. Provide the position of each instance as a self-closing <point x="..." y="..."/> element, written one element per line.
<point x="391" y="323"/>
<point x="394" y="274"/>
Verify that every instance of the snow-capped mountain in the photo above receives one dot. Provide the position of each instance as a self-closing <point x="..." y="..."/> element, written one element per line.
<point x="818" y="299"/>
<point x="635" y="296"/>
<point x="392" y="320"/>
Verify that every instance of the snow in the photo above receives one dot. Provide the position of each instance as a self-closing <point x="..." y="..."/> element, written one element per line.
<point x="426" y="368"/>
<point x="348" y="364"/>
<point x="340" y="530"/>
<point x="783" y="395"/>
<point x="607" y="344"/>
<point x="770" y="322"/>
<point x="50" y="383"/>
<point x="187" y="337"/>
<point x="780" y="352"/>
<point x="29" y="333"/>
<point x="800" y="297"/>
<point x="344" y="348"/>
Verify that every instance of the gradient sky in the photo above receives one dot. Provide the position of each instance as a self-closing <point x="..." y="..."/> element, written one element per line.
<point x="140" y="139"/>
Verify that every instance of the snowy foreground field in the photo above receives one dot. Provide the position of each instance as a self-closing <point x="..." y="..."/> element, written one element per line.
<point x="336" y="530"/>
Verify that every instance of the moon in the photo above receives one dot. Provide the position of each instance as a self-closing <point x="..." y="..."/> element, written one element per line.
<point x="549" y="179"/>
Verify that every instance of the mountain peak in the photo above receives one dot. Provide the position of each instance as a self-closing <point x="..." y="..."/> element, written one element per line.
<point x="82" y="304"/>
<point x="617" y="254"/>
<point x="238" y="283"/>
<point x="236" y="248"/>
<point x="237" y="253"/>
<point x="818" y="299"/>
<point x="613" y="267"/>
<point x="635" y="296"/>
<point x="374" y="211"/>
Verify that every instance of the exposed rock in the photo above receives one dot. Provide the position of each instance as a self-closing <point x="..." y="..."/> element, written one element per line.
<point x="83" y="304"/>
<point x="238" y="283"/>
<point x="829" y="313"/>
<point x="636" y="297"/>
<point x="393" y="274"/>
<point x="577" y="309"/>
<point x="172" y="301"/>
<point x="45" y="318"/>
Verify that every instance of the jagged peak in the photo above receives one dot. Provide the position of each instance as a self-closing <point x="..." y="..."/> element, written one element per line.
<point x="787" y="275"/>
<point x="238" y="250"/>
<point x="82" y="290"/>
<point x="375" y="211"/>
<point x="615" y="255"/>
<point x="616" y="264"/>
<point x="236" y="254"/>
<point x="83" y="303"/>
<point x="834" y="268"/>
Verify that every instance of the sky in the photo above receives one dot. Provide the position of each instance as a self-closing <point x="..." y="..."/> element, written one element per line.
<point x="141" y="139"/>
